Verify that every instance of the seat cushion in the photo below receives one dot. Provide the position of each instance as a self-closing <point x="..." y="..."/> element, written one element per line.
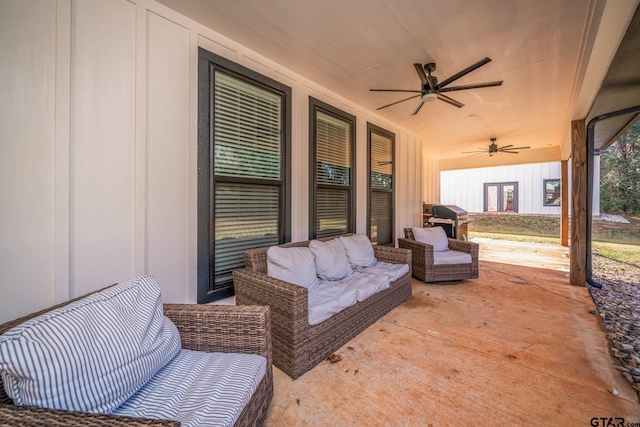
<point x="329" y="298"/>
<point x="451" y="257"/>
<point x="365" y="284"/>
<point x="294" y="265"/>
<point x="359" y="250"/>
<point x="92" y="354"/>
<point x="331" y="259"/>
<point x="199" y="389"/>
<point x="391" y="270"/>
<point x="434" y="236"/>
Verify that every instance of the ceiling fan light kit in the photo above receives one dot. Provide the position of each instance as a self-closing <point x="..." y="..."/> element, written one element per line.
<point x="431" y="90"/>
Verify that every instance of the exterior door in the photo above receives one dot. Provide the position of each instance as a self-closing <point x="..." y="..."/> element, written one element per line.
<point x="501" y="197"/>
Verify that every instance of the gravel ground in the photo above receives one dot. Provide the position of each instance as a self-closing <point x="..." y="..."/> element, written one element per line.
<point x="618" y="304"/>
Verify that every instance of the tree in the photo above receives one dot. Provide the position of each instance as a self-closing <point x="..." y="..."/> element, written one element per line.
<point x="620" y="175"/>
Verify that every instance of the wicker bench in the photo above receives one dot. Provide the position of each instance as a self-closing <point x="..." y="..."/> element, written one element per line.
<point x="298" y="346"/>
<point x="227" y="329"/>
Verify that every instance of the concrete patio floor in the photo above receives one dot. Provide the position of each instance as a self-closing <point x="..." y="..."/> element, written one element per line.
<point x="517" y="346"/>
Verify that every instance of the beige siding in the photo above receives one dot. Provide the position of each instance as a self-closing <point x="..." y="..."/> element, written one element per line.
<point x="27" y="174"/>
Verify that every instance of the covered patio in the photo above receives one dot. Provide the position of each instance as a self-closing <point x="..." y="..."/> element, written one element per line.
<point x="517" y="346"/>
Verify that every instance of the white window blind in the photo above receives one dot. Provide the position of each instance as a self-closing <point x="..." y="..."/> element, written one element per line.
<point x="333" y="150"/>
<point x="381" y="217"/>
<point x="246" y="216"/>
<point x="248" y="142"/>
<point x="248" y="129"/>
<point x="333" y="174"/>
<point x="381" y="161"/>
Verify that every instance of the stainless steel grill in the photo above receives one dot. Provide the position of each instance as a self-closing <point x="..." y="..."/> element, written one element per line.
<point x="453" y="219"/>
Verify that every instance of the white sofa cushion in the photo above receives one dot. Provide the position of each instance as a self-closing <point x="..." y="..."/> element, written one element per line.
<point x="451" y="257"/>
<point x="331" y="259"/>
<point x="365" y="284"/>
<point x="327" y="299"/>
<point x="294" y="265"/>
<point x="90" y="355"/>
<point x="391" y="270"/>
<point x="359" y="250"/>
<point x="434" y="236"/>
<point x="199" y="389"/>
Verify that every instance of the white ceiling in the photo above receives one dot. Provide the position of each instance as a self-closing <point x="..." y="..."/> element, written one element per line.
<point x="539" y="48"/>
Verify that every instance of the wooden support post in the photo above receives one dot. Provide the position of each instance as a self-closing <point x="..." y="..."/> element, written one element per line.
<point x="578" y="259"/>
<point x="564" y="203"/>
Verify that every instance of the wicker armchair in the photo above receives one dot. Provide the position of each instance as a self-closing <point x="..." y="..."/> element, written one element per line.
<point x="423" y="267"/>
<point x="227" y="329"/>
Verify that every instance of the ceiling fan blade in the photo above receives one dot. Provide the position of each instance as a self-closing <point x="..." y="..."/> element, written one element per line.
<point x="397" y="102"/>
<point x="477" y="154"/>
<point x="507" y="151"/>
<point x="394" y="90"/>
<point x="418" y="107"/>
<point x="514" y="148"/>
<point x="422" y="74"/>
<point x="450" y="101"/>
<point x="465" y="71"/>
<point x="473" y="86"/>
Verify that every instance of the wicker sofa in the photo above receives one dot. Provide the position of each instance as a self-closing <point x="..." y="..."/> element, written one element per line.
<point x="297" y="345"/>
<point x="426" y="270"/>
<point x="203" y="328"/>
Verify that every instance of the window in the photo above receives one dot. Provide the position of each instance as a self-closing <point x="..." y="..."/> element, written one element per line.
<point x="381" y="185"/>
<point x="332" y="161"/>
<point x="501" y="197"/>
<point x="243" y="158"/>
<point x="551" y="192"/>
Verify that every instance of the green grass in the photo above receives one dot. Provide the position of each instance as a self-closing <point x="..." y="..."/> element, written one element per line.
<point x="620" y="251"/>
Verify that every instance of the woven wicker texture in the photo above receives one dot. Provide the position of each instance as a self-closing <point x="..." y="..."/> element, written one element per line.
<point x="424" y="268"/>
<point x="297" y="346"/>
<point x="229" y="329"/>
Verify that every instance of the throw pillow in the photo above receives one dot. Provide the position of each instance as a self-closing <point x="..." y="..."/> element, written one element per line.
<point x="434" y="236"/>
<point x="331" y="259"/>
<point x="294" y="265"/>
<point x="90" y="355"/>
<point x="359" y="250"/>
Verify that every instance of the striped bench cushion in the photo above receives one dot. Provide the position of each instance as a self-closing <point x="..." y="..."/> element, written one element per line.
<point x="329" y="298"/>
<point x="199" y="389"/>
<point x="391" y="270"/>
<point x="90" y="355"/>
<point x="365" y="284"/>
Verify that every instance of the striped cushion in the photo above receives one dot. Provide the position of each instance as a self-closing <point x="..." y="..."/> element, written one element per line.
<point x="327" y="299"/>
<point x="199" y="389"/>
<point x="365" y="284"/>
<point x="391" y="270"/>
<point x="90" y="355"/>
<point x="451" y="257"/>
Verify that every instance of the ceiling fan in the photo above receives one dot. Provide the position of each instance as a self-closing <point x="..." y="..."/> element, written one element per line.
<point x="432" y="90"/>
<point x="493" y="148"/>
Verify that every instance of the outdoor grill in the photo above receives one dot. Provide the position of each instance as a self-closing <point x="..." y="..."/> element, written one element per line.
<point x="451" y="218"/>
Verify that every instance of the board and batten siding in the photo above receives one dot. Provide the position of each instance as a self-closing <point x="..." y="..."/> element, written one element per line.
<point x="98" y="126"/>
<point x="465" y="188"/>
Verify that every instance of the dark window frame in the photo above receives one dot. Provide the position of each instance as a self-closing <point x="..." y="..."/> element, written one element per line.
<point x="544" y="191"/>
<point x="208" y="63"/>
<point x="500" y="193"/>
<point x="371" y="128"/>
<point x="316" y="105"/>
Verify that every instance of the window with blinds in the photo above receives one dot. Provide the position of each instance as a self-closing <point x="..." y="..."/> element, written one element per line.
<point x="381" y="184"/>
<point x="242" y="161"/>
<point x="332" y="159"/>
